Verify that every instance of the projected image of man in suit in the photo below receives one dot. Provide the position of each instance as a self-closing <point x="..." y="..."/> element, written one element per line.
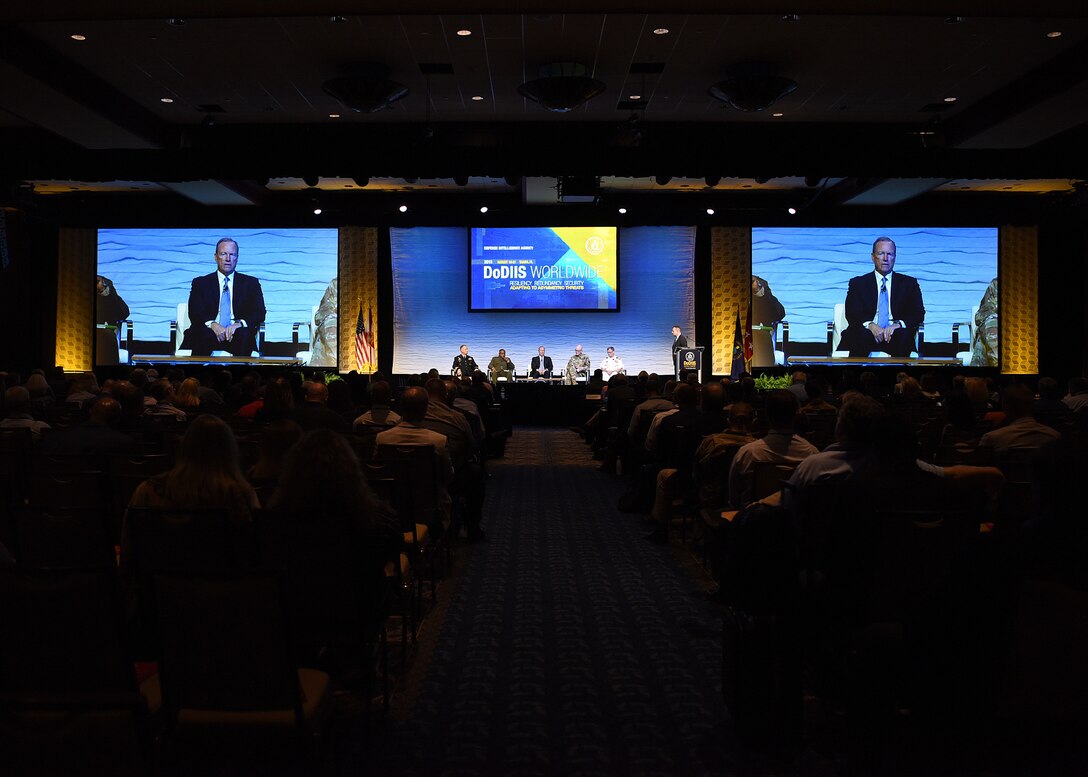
<point x="226" y="308"/>
<point x="883" y="308"/>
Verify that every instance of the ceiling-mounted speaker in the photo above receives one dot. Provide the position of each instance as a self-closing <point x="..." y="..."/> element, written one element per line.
<point x="311" y="180"/>
<point x="752" y="86"/>
<point x="362" y="183"/>
<point x="562" y="86"/>
<point x="366" y="88"/>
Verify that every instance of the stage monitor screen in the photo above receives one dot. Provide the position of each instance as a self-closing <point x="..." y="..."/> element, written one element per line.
<point x="279" y="278"/>
<point x="543" y="268"/>
<point x="937" y="280"/>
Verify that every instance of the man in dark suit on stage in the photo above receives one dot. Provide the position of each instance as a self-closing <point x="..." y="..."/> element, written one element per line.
<point x="541" y="365"/>
<point x="883" y="308"/>
<point x="678" y="340"/>
<point x="226" y="309"/>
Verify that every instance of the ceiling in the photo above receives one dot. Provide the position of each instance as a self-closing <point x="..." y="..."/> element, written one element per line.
<point x="224" y="107"/>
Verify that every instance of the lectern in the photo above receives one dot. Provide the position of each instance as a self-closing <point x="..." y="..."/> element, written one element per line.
<point x="690" y="358"/>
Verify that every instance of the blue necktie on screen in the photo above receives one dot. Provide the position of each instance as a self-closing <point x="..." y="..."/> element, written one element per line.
<point x="224" y="304"/>
<point x="882" y="305"/>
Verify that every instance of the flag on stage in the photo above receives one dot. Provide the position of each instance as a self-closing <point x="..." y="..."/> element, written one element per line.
<point x="749" y="351"/>
<point x="738" y="350"/>
<point x="364" y="341"/>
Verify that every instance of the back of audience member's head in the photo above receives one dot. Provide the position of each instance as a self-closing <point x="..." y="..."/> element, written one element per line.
<point x="317" y="392"/>
<point x="16" y="401"/>
<point x="734" y="392"/>
<point x="106" y="411"/>
<point x="740" y="417"/>
<point x="928" y="383"/>
<point x="161" y="391"/>
<point x="436" y="390"/>
<point x="130" y="397"/>
<point x="206" y="472"/>
<point x="857" y="417"/>
<point x="781" y="409"/>
<point x="339" y="396"/>
<point x="188" y="393"/>
<point x="959" y="382"/>
<point x="37" y="385"/>
<point x="413" y="404"/>
<point x="381" y="393"/>
<point x="910" y="388"/>
<point x="685" y="395"/>
<point x="1048" y="388"/>
<point x="958" y="412"/>
<point x="279" y="397"/>
<point x="869" y="383"/>
<point x="453" y="389"/>
<point x="138" y="378"/>
<point x="432" y="374"/>
<point x="322" y="479"/>
<point x="1017" y="401"/>
<point x="713" y="397"/>
<point x="814" y="388"/>
<point x="278" y="439"/>
<point x="799" y="377"/>
<point x="977" y="393"/>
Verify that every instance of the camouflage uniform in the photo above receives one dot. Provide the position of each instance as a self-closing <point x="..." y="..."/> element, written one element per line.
<point x="576" y="364"/>
<point x="984" y="342"/>
<point x="323" y="349"/>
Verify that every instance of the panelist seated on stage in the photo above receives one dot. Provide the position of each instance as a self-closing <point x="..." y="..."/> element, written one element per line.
<point x="612" y="365"/>
<point x="463" y="365"/>
<point x="500" y="368"/>
<point x="578" y="366"/>
<point x="541" y="366"/>
<point x="226" y="308"/>
<point x="883" y="308"/>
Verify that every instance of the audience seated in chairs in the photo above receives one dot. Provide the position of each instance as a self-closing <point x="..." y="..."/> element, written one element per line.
<point x="779" y="446"/>
<point x="1020" y="429"/>
<point x="98" y="436"/>
<point x="17" y="412"/>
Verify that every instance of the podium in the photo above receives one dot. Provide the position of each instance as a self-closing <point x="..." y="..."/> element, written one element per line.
<point x="690" y="358"/>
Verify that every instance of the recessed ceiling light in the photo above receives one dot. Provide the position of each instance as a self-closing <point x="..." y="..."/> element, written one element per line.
<point x="950" y="99"/>
<point x="464" y="33"/>
<point x="477" y="98"/>
<point x="403" y="208"/>
<point x="1054" y="34"/>
<point x="622" y="211"/>
<point x="483" y="209"/>
<point x="317" y="211"/>
<point x="634" y="97"/>
<point x="661" y="31"/>
<point x="334" y="115"/>
<point x="78" y="37"/>
<point x="791" y="210"/>
<point x="710" y="211"/>
<point x="166" y="99"/>
<point x="778" y="115"/>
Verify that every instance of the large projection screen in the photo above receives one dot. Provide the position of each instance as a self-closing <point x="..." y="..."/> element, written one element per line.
<point x="808" y="270"/>
<point x="153" y="270"/>
<point x="431" y="317"/>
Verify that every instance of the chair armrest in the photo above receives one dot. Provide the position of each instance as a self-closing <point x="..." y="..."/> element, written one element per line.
<point x="956" y="331"/>
<point x="127" y="325"/>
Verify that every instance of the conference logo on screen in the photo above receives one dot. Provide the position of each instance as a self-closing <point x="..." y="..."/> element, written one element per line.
<point x="594" y="245"/>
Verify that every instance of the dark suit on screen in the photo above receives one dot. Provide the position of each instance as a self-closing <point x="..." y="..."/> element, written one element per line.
<point x="861" y="303"/>
<point x="534" y="367"/>
<point x="248" y="303"/>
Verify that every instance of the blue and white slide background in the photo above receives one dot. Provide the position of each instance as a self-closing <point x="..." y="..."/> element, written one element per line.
<point x="153" y="269"/>
<point x="808" y="270"/>
<point x="431" y="317"/>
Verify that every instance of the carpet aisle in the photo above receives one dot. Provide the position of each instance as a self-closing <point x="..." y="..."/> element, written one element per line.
<point x="569" y="644"/>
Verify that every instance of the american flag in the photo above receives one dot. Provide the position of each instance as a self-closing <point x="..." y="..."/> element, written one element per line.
<point x="364" y="341"/>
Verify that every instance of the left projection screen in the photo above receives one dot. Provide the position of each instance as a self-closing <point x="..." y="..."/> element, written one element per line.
<point x="156" y="274"/>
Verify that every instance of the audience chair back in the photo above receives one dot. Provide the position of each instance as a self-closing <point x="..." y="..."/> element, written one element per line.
<point x="768" y="478"/>
<point x="226" y="658"/>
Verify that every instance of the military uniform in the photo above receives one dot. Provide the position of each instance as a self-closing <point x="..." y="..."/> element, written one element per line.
<point x="578" y="364"/>
<point x="499" y="367"/>
<point x="463" y="366"/>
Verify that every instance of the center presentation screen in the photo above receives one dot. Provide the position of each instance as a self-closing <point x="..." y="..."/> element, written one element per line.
<point x="543" y="268"/>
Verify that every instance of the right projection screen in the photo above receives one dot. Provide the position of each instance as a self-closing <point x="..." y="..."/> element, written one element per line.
<point x="808" y="271"/>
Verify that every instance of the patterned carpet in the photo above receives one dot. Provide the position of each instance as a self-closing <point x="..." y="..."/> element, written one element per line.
<point x="566" y="644"/>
